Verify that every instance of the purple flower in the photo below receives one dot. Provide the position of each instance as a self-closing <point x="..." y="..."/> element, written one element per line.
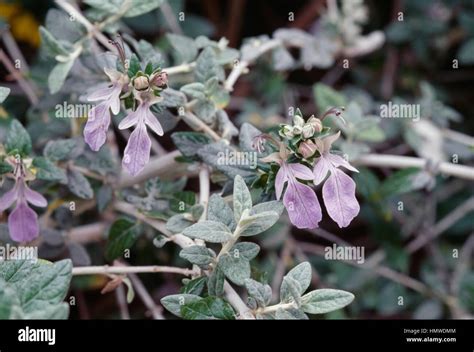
<point x="300" y="200"/>
<point x="98" y="121"/>
<point x="339" y="189"/>
<point x="22" y="221"/>
<point x="137" y="151"/>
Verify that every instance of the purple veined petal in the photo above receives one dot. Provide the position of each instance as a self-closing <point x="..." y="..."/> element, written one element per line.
<point x="95" y="131"/>
<point x="23" y="223"/>
<point x="132" y="118"/>
<point x="337" y="161"/>
<point x="152" y="122"/>
<point x="321" y="169"/>
<point x="9" y="198"/>
<point x="137" y="151"/>
<point x="34" y="197"/>
<point x="280" y="179"/>
<point x="300" y="171"/>
<point x="103" y="93"/>
<point x="339" y="198"/>
<point x="114" y="98"/>
<point x="302" y="205"/>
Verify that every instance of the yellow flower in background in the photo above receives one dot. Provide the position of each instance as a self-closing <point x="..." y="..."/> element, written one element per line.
<point x="23" y="25"/>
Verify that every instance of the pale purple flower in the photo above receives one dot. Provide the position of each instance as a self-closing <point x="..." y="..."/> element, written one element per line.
<point x="98" y="121"/>
<point x="137" y="151"/>
<point x="339" y="189"/>
<point x="300" y="200"/>
<point x="22" y="221"/>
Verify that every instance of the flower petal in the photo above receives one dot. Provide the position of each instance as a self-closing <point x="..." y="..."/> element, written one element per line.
<point x="8" y="198"/>
<point x="153" y="123"/>
<point x="95" y="131"/>
<point x="321" y="169"/>
<point x="23" y="223"/>
<point x="137" y="151"/>
<point x="301" y="171"/>
<point x="339" y="197"/>
<point x="280" y="179"/>
<point x="337" y="161"/>
<point x="114" y="99"/>
<point x="35" y="198"/>
<point x="302" y="205"/>
<point x="132" y="118"/>
<point x="103" y="93"/>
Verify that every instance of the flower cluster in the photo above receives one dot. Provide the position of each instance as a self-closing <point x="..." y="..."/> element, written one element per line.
<point x="313" y="148"/>
<point x="22" y="221"/>
<point x="140" y="90"/>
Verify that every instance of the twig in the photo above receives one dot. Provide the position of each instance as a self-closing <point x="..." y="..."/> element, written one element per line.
<point x="197" y="124"/>
<point x="285" y="256"/>
<point x="93" y="30"/>
<point x="204" y="188"/>
<point x="146" y="298"/>
<point x="87" y="233"/>
<point x="22" y="82"/>
<point x="14" y="50"/>
<point x="107" y="270"/>
<point x="442" y="225"/>
<point x="170" y="18"/>
<point x="400" y="162"/>
<point x="122" y="302"/>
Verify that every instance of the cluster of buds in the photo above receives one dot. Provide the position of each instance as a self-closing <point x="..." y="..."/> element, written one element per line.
<point x="155" y="82"/>
<point x="305" y="133"/>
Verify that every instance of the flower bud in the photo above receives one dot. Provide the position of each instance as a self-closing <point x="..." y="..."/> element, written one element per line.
<point x="297" y="130"/>
<point x="298" y="120"/>
<point x="307" y="149"/>
<point x="160" y="80"/>
<point x="308" y="131"/>
<point x="140" y="83"/>
<point x="287" y="131"/>
<point x="316" y="123"/>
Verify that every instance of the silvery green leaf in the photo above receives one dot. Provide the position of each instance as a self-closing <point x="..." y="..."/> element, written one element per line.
<point x="184" y="46"/>
<point x="63" y="149"/>
<point x="219" y="210"/>
<point x="18" y="139"/>
<point x="60" y="25"/>
<point x="140" y="7"/>
<point x="282" y="59"/>
<point x="247" y="134"/>
<point x="194" y="286"/>
<point x="273" y="205"/>
<point x="209" y="231"/>
<point x="58" y="75"/>
<point x="215" y="283"/>
<point x="122" y="235"/>
<point x="205" y="110"/>
<point x="206" y="65"/>
<point x="226" y="128"/>
<point x="254" y="224"/>
<point x="235" y="267"/>
<point x="172" y="98"/>
<point x="196" y="211"/>
<point x="189" y="143"/>
<point x="326" y="97"/>
<point x="9" y="300"/>
<point x="290" y="291"/>
<point x="78" y="254"/>
<point x="251" y="303"/>
<point x="195" y="90"/>
<point x="260" y="292"/>
<point x="250" y="49"/>
<point x="211" y="85"/>
<point x="177" y="223"/>
<point x="48" y="311"/>
<point x="4" y="91"/>
<point x="198" y="255"/>
<point x="227" y="56"/>
<point x="247" y="250"/>
<point x="174" y="302"/>
<point x="53" y="46"/>
<point x="302" y="274"/>
<point x="214" y="154"/>
<point x="46" y="170"/>
<point x="208" y="308"/>
<point x="46" y="283"/>
<point x="160" y="241"/>
<point x="104" y="197"/>
<point x="325" y="300"/>
<point x="290" y="314"/>
<point x="242" y="198"/>
<point x="79" y="185"/>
